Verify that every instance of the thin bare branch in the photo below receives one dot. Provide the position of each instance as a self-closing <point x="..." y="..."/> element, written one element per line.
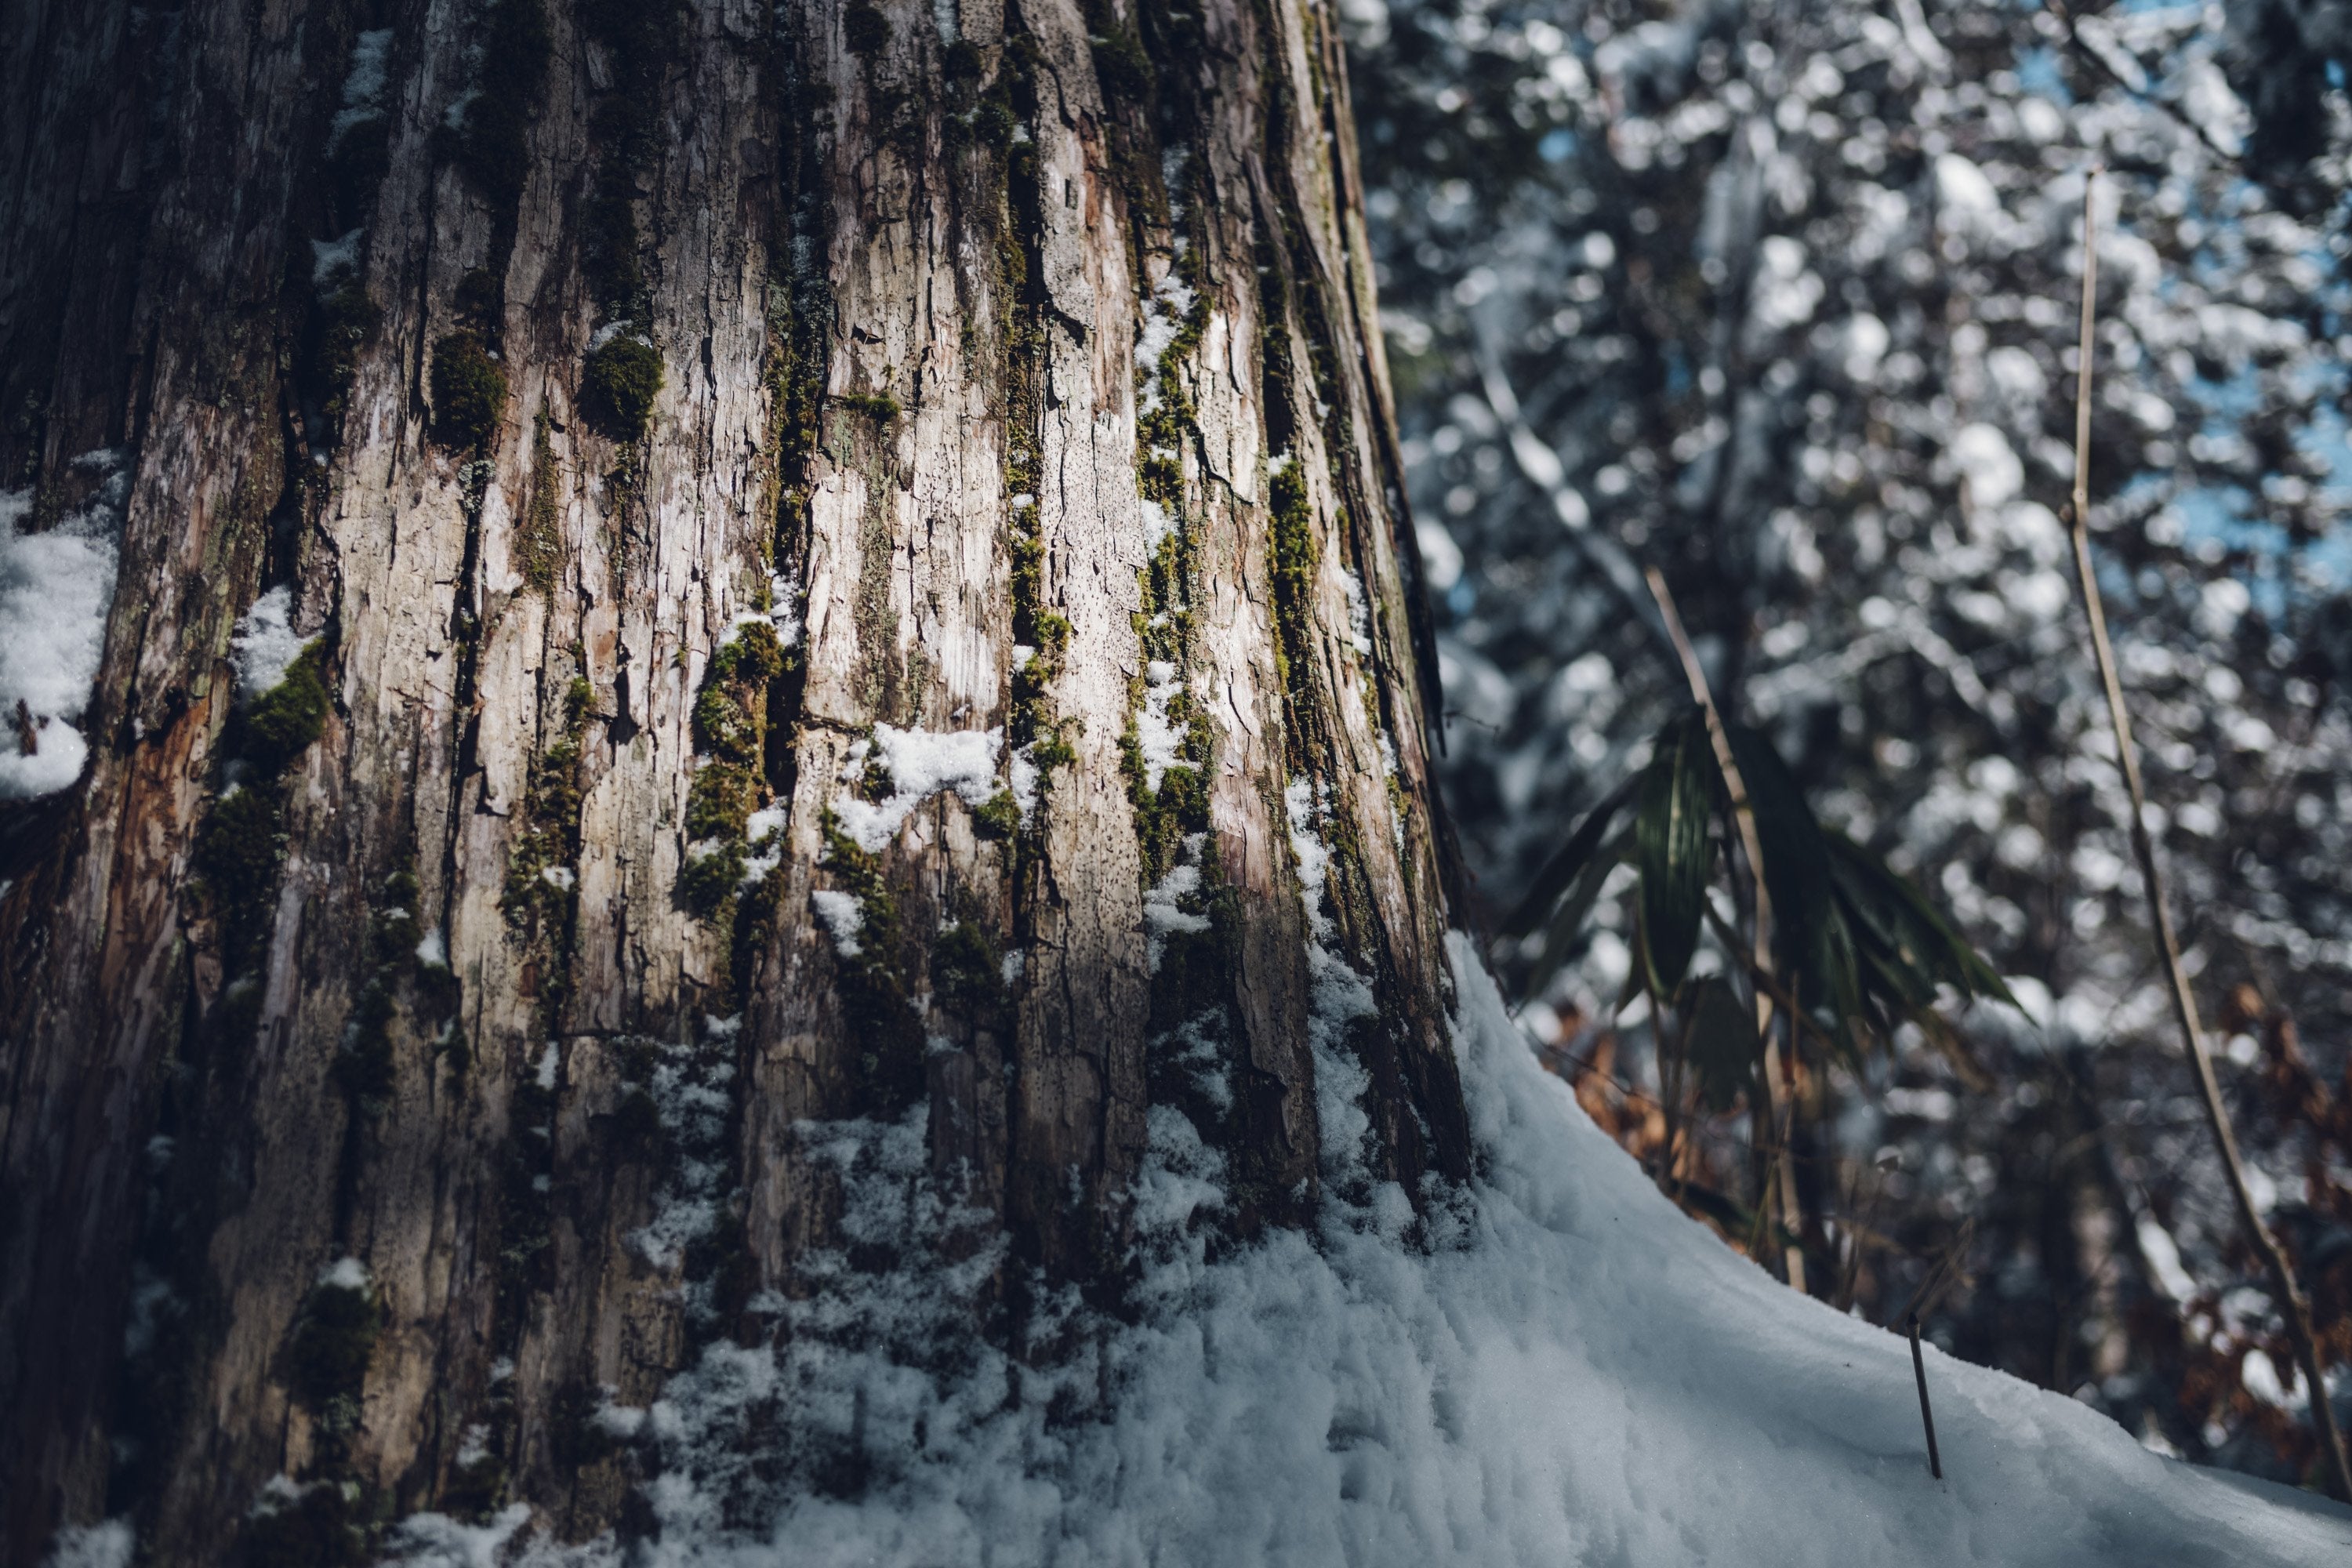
<point x="2293" y="1304"/>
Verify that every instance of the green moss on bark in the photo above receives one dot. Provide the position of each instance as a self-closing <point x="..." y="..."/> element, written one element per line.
<point x="238" y="848"/>
<point x="539" y="538"/>
<point x="865" y="31"/>
<point x="343" y="324"/>
<point x="333" y="1345"/>
<point x="1292" y="557"/>
<point x="469" y="392"/>
<point x="618" y="385"/>
<point x="285" y="719"/>
<point x="880" y="1024"/>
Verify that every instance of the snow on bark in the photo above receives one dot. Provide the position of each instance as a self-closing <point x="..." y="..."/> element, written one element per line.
<point x="57" y="584"/>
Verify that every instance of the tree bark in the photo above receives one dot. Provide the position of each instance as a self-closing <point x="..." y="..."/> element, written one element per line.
<point x="384" y="1090"/>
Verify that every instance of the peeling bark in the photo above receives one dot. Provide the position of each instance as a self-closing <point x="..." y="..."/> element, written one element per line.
<point x="952" y="333"/>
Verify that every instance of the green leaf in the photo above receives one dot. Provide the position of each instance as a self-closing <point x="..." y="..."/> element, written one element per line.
<point x="1917" y="944"/>
<point x="1796" y="868"/>
<point x="1719" y="1040"/>
<point x="1836" y="971"/>
<point x="1672" y="846"/>
<point x="1569" y="918"/>
<point x="1569" y="864"/>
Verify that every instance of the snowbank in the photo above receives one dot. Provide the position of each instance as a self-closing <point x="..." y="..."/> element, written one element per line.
<point x="1574" y="1373"/>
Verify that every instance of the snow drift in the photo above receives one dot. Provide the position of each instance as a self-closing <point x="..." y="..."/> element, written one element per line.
<point x="1567" y="1370"/>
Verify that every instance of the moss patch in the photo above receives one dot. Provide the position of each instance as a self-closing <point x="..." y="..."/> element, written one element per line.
<point x="731" y="729"/>
<point x="1292" y="557"/>
<point x="469" y="392"/>
<point x="618" y="385"/>
<point x="538" y="537"/>
<point x="285" y="719"/>
<point x="967" y="973"/>
<point x="881" y="1025"/>
<point x="865" y="31"/>
<point x="242" y="840"/>
<point x="1121" y="67"/>
<point x="343" y="323"/>
<point x="366" y="1068"/>
<point x="334" y="1342"/>
<point x="539" y="899"/>
<point x="873" y="406"/>
<point x="237" y="856"/>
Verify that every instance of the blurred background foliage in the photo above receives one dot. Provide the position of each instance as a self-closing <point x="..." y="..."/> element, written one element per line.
<point x="1780" y="299"/>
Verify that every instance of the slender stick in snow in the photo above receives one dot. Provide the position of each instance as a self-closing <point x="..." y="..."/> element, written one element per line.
<point x="1927" y="1411"/>
<point x="2292" y="1304"/>
<point x="1782" y="1102"/>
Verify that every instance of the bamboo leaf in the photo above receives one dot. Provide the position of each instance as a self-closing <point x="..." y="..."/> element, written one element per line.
<point x="1672" y="846"/>
<point x="1721" y="1043"/>
<point x="1898" y="917"/>
<point x="1569" y="918"/>
<point x="1569" y="864"/>
<point x="1839" y="971"/>
<point x="1795" y="869"/>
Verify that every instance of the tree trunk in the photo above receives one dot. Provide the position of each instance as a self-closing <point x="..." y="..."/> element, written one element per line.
<point x="969" y="709"/>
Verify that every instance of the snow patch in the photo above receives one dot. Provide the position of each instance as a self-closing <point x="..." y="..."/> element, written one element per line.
<point x="764" y="830"/>
<point x="1360" y="612"/>
<point x="691" y="1089"/>
<point x="106" y="1545"/>
<point x="1157" y="525"/>
<point x="55" y="588"/>
<point x="784" y="609"/>
<point x="1159" y="738"/>
<point x="842" y="916"/>
<point x="436" y="1541"/>
<point x="328" y="257"/>
<point x="920" y="764"/>
<point x="1163" y="912"/>
<point x="1164" y="317"/>
<point x="363" y="85"/>
<point x="344" y="1274"/>
<point x="265" y="644"/>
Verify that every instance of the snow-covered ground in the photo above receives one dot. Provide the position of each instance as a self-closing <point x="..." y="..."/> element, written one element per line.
<point x="1575" y="1373"/>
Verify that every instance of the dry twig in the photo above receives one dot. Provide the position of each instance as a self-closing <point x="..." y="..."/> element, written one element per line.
<point x="2292" y="1302"/>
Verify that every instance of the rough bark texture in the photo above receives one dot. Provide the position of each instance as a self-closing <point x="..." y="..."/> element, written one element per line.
<point x="1017" y="374"/>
